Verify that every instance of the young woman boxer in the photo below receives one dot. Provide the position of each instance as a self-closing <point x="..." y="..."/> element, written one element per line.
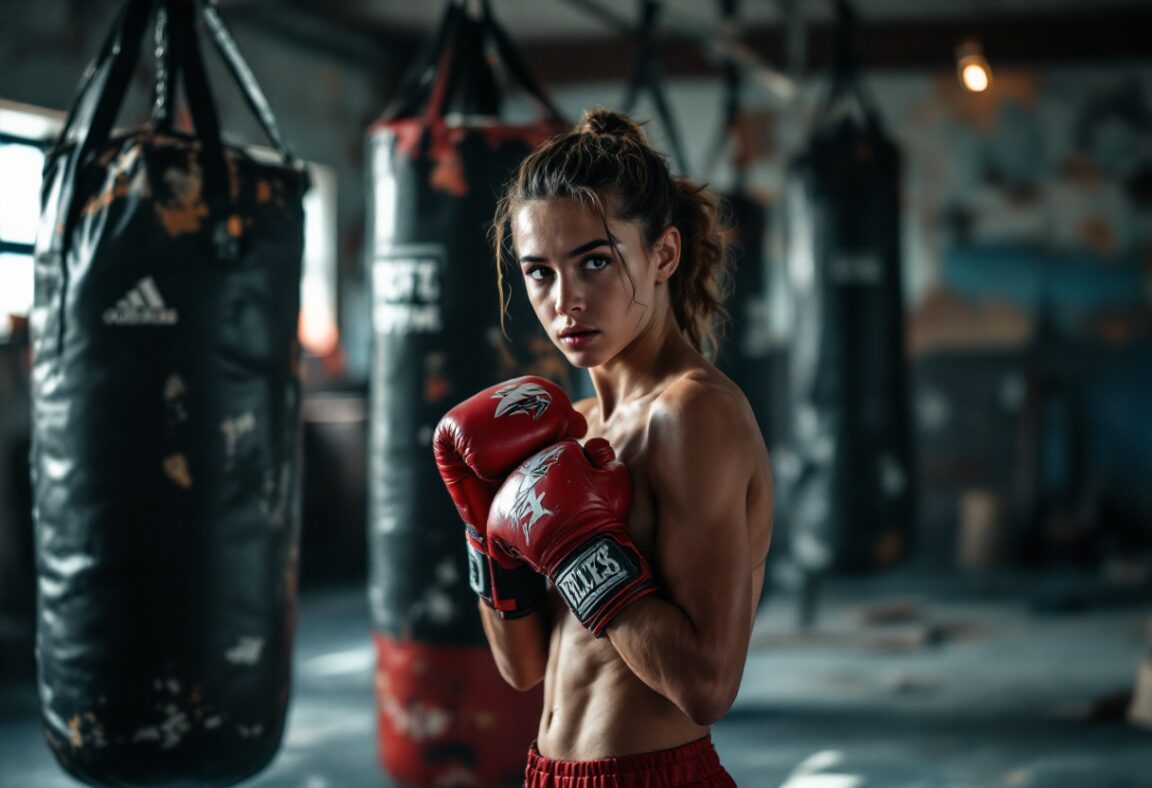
<point x="654" y="533"/>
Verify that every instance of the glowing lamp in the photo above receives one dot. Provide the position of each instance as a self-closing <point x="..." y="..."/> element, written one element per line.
<point x="972" y="67"/>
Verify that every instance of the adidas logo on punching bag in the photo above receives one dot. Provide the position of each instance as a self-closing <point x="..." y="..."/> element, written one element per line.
<point x="141" y="306"/>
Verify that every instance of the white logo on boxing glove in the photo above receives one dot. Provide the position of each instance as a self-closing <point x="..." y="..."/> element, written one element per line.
<point x="523" y="398"/>
<point x="529" y="507"/>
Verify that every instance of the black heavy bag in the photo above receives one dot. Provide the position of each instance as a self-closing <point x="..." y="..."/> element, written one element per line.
<point x="850" y="501"/>
<point x="746" y="357"/>
<point x="166" y="429"/>
<point x="747" y="354"/>
<point x="439" y="158"/>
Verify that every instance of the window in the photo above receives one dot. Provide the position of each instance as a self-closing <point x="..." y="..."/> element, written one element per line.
<point x="318" y="331"/>
<point x="25" y="134"/>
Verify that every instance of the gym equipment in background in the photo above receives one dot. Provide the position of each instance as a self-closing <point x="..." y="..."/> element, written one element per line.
<point x="439" y="157"/>
<point x="850" y="503"/>
<point x="648" y="77"/>
<point x="747" y="354"/>
<point x="166" y="424"/>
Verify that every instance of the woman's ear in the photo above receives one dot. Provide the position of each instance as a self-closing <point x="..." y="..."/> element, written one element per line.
<point x="666" y="253"/>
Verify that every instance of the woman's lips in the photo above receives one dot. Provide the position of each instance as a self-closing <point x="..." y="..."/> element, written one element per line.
<point x="577" y="337"/>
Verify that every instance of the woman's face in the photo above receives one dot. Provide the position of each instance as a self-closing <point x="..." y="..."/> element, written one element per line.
<point x="593" y="300"/>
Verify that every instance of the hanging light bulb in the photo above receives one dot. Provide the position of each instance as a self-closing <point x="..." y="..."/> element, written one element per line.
<point x="972" y="67"/>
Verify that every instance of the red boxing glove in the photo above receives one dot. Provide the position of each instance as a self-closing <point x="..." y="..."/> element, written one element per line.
<point x="563" y="512"/>
<point x="477" y="443"/>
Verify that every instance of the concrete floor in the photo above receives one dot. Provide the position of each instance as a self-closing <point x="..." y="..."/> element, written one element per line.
<point x="906" y="681"/>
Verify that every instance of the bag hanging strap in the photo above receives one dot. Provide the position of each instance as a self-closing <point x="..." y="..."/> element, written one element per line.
<point x="86" y="96"/>
<point x="245" y="79"/>
<point x="733" y="81"/>
<point x="649" y="76"/>
<point x="103" y="89"/>
<point x="183" y="41"/>
<point x="416" y="84"/>
<point x="164" y="90"/>
<point x="846" y="84"/>
<point x="92" y="82"/>
<point x="462" y="70"/>
<point x="517" y="69"/>
<point x="472" y="88"/>
<point x="106" y="81"/>
<point x="456" y="62"/>
<point x="445" y="61"/>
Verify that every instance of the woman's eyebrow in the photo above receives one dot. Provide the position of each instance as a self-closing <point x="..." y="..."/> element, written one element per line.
<point x="581" y="249"/>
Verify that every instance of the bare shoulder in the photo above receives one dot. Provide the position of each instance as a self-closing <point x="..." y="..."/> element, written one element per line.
<point x="703" y="401"/>
<point x="704" y="416"/>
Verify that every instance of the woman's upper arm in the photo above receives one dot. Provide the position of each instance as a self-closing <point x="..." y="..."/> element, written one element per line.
<point x="700" y="460"/>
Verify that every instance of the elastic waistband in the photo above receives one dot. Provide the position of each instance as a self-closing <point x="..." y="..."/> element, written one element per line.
<point x="699" y="753"/>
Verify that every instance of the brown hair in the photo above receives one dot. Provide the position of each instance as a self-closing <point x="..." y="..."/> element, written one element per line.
<point x="606" y="160"/>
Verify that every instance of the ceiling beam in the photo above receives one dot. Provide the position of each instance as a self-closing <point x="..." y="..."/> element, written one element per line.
<point x="331" y="29"/>
<point x="1102" y="36"/>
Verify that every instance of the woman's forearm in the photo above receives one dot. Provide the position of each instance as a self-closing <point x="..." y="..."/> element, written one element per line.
<point x="697" y="671"/>
<point x="520" y="646"/>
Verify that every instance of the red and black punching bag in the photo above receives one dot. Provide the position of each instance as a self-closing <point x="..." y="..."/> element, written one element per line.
<point x="165" y="425"/>
<point x="850" y="502"/>
<point x="439" y="157"/>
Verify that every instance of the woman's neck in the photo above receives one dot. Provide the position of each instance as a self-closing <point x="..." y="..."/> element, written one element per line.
<point x="641" y="368"/>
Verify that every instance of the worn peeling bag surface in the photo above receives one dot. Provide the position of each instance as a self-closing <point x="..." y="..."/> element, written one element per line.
<point x="166" y="428"/>
<point x="439" y="158"/>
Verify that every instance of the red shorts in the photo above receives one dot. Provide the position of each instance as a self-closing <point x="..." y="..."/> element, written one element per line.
<point x="693" y="764"/>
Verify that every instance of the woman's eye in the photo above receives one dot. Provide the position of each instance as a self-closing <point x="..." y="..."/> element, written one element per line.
<point x="538" y="273"/>
<point x="596" y="263"/>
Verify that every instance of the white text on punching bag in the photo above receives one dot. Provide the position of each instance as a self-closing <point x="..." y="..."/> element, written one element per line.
<point x="406" y="288"/>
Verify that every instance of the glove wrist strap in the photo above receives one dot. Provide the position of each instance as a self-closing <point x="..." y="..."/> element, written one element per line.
<point x="513" y="593"/>
<point x="518" y="591"/>
<point x="479" y="573"/>
<point x="595" y="576"/>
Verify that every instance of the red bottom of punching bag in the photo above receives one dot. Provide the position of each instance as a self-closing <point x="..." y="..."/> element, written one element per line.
<point x="445" y="716"/>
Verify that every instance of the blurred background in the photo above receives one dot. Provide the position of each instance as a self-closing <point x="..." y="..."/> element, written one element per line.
<point x="999" y="632"/>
